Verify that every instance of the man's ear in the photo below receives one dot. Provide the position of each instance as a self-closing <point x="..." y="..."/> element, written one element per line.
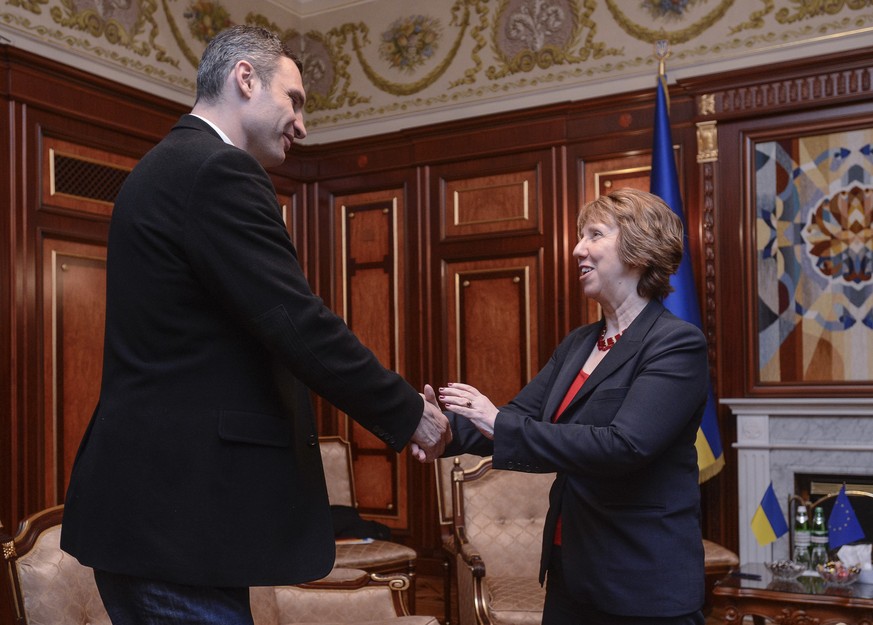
<point x="244" y="77"/>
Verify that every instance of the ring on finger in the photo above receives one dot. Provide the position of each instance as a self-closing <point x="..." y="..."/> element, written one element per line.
<point x="469" y="404"/>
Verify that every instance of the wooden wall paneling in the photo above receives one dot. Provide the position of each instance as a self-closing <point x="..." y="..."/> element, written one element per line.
<point x="10" y="295"/>
<point x="496" y="209"/>
<point x="53" y="233"/>
<point x="368" y="239"/>
<point x="363" y="273"/>
<point x="73" y="310"/>
<point x="493" y="321"/>
<point x="72" y="182"/>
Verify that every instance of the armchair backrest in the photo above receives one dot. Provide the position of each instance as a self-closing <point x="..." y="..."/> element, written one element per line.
<point x="50" y="587"/>
<point x="336" y="456"/>
<point x="443" y="476"/>
<point x="501" y="514"/>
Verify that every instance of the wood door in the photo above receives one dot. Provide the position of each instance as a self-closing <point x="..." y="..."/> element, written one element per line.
<point x="368" y="294"/>
<point x="73" y="315"/>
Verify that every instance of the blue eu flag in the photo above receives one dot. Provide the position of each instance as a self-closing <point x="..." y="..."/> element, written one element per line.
<point x="682" y="302"/>
<point x="843" y="526"/>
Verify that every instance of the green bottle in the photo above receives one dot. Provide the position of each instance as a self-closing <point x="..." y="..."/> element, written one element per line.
<point x="802" y="537"/>
<point x="819" y="539"/>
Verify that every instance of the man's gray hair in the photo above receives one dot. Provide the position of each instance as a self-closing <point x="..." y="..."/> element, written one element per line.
<point x="259" y="46"/>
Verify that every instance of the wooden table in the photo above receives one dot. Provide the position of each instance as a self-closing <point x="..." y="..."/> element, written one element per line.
<point x="752" y="591"/>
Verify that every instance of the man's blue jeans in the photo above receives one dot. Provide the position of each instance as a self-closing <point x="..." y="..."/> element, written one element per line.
<point x="137" y="601"/>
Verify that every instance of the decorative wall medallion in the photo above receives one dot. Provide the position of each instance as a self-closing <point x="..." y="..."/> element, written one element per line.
<point x="410" y="41"/>
<point x="696" y="13"/>
<point x="119" y="21"/>
<point x="461" y="12"/>
<point x="530" y="34"/>
<point x="206" y="19"/>
<point x="325" y="68"/>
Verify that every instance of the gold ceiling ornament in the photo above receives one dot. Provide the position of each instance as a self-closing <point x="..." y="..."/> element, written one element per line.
<point x="325" y="66"/>
<point x="192" y="57"/>
<point x="531" y="34"/>
<point x="28" y="5"/>
<point x="806" y="9"/>
<point x="756" y="19"/>
<point x="118" y="21"/>
<point x="359" y="35"/>
<point x="643" y="33"/>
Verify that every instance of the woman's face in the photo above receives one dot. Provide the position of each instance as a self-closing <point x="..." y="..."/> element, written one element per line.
<point x="602" y="274"/>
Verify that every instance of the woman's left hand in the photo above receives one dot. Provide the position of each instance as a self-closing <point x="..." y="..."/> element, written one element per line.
<point x="468" y="402"/>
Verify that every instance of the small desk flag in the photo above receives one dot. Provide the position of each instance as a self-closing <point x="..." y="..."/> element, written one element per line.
<point x="843" y="525"/>
<point x="769" y="523"/>
<point x="682" y="302"/>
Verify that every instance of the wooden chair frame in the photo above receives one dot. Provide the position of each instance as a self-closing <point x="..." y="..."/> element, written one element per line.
<point x="28" y="532"/>
<point x="405" y="565"/>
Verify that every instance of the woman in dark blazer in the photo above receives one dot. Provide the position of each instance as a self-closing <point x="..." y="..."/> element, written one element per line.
<point x="615" y="413"/>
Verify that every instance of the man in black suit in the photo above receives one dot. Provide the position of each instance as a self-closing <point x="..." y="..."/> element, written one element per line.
<point x="200" y="473"/>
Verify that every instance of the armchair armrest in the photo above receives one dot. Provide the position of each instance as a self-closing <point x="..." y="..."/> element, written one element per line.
<point x="472" y="558"/>
<point x="345" y="594"/>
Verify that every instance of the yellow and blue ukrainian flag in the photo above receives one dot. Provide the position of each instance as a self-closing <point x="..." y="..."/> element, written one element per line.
<point x="768" y="523"/>
<point x="683" y="302"/>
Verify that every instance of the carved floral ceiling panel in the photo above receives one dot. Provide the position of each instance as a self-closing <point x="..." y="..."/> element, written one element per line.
<point x="395" y="62"/>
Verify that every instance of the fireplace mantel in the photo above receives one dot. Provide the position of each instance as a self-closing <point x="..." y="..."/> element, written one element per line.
<point x="778" y="437"/>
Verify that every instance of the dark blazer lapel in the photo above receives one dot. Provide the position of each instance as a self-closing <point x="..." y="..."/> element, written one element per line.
<point x="626" y="348"/>
<point x="576" y="357"/>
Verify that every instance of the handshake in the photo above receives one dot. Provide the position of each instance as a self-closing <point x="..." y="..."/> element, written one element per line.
<point x="434" y="430"/>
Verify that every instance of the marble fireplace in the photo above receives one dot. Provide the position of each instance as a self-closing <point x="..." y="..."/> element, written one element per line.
<point x="780" y="437"/>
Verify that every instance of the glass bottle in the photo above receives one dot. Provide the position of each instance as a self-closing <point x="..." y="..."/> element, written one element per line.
<point x="819" y="539"/>
<point x="802" y="537"/>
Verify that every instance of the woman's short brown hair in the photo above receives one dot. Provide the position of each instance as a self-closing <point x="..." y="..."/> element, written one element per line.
<point x="650" y="235"/>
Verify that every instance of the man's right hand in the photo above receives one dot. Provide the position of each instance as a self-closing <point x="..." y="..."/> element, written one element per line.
<point x="433" y="432"/>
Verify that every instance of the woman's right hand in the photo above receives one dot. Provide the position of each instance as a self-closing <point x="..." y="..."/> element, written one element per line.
<point x="468" y="402"/>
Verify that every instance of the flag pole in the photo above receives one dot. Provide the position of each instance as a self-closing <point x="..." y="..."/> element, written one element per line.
<point x="682" y="302"/>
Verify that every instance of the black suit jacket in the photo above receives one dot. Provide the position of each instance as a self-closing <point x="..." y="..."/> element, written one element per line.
<point x="201" y="463"/>
<point x="626" y="486"/>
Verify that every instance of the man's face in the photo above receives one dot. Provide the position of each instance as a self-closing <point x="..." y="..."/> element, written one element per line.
<point x="273" y="117"/>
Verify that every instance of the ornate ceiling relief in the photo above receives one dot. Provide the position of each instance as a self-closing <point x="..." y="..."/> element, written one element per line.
<point x="404" y="45"/>
<point x="530" y="34"/>
<point x="325" y="66"/>
<point x="699" y="12"/>
<point x="120" y="22"/>
<point x="396" y="58"/>
<point x="28" y="5"/>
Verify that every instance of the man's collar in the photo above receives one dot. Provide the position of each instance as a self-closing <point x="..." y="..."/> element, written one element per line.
<point x="220" y="132"/>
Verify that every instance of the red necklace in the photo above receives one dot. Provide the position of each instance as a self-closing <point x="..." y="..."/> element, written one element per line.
<point x="605" y="344"/>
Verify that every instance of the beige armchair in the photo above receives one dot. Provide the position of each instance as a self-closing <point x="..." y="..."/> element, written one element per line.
<point x="50" y="587"/>
<point x="378" y="556"/>
<point x="498" y="519"/>
<point x="476" y="602"/>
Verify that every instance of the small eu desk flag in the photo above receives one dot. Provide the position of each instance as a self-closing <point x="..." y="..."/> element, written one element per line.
<point x="768" y="523"/>
<point x="843" y="525"/>
<point x="682" y="302"/>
